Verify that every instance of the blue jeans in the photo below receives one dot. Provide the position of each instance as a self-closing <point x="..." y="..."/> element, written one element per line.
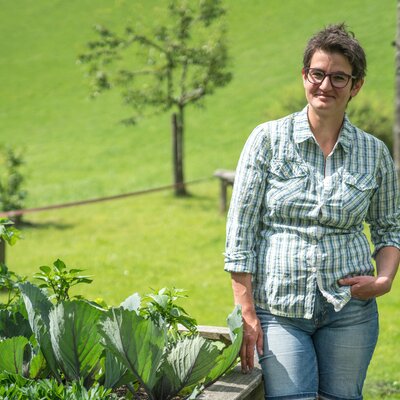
<point x="326" y="356"/>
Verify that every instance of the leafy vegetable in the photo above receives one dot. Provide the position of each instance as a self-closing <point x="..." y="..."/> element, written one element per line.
<point x="137" y="342"/>
<point x="12" y="354"/>
<point x="229" y="354"/>
<point x="75" y="339"/>
<point x="38" y="307"/>
<point x="164" y="368"/>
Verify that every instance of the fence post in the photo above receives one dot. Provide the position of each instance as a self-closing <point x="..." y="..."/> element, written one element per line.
<point x="2" y="251"/>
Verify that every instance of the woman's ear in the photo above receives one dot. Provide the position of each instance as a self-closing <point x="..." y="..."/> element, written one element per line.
<point x="356" y="87"/>
<point x="303" y="73"/>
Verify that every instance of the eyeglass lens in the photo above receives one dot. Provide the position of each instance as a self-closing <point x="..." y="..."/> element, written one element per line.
<point x="338" y="79"/>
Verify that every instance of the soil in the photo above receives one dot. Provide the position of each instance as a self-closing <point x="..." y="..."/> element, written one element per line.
<point x="142" y="395"/>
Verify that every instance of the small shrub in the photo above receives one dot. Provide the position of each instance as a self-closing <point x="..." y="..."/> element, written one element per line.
<point x="9" y="280"/>
<point x="12" y="193"/>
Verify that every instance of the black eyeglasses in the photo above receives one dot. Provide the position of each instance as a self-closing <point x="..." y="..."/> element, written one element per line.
<point x="338" y="80"/>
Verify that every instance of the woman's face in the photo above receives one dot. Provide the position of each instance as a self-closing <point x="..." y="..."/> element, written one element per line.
<point x="325" y="99"/>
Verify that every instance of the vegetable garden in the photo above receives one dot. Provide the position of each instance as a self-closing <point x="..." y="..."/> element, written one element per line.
<point x="53" y="346"/>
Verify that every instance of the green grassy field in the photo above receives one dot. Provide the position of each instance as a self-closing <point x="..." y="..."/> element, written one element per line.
<point x="76" y="149"/>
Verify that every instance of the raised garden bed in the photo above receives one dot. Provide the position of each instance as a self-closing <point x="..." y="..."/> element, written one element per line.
<point x="234" y="385"/>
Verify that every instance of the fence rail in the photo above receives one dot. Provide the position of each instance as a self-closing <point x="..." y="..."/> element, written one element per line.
<point x="14" y="213"/>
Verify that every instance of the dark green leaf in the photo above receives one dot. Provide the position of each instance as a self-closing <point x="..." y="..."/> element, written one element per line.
<point x="13" y="324"/>
<point x="75" y="339"/>
<point x="45" y="269"/>
<point x="186" y="364"/>
<point x="230" y="353"/>
<point x="137" y="342"/>
<point x="59" y="265"/>
<point x="38" y="307"/>
<point x="12" y="354"/>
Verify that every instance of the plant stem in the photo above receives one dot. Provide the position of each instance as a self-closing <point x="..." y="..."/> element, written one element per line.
<point x="133" y="391"/>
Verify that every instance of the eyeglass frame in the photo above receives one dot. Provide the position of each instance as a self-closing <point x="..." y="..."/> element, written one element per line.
<point x="349" y="77"/>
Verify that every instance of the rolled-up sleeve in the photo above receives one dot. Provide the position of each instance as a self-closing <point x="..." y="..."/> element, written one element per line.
<point x="384" y="213"/>
<point x="244" y="216"/>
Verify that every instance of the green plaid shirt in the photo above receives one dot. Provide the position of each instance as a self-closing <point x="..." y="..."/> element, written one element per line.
<point x="296" y="220"/>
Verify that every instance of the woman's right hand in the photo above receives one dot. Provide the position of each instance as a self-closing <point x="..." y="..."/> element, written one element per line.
<point x="252" y="338"/>
<point x="252" y="331"/>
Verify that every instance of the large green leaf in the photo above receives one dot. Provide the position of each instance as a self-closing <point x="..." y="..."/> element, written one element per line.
<point x="132" y="303"/>
<point x="12" y="354"/>
<point x="116" y="374"/>
<point x="230" y="353"/>
<point x="75" y="338"/>
<point x="13" y="324"/>
<point x="137" y="342"/>
<point x="38" y="367"/>
<point x="187" y="363"/>
<point x="38" y="307"/>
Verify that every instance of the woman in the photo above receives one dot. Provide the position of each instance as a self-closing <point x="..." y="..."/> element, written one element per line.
<point x="299" y="260"/>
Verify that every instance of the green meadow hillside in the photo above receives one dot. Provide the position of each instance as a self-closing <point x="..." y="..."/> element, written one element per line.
<point x="75" y="148"/>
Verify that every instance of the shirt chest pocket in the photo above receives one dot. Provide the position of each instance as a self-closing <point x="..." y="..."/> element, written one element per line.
<point x="286" y="189"/>
<point x="357" y="190"/>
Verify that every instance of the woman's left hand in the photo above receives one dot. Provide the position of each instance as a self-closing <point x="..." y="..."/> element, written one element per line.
<point x="367" y="287"/>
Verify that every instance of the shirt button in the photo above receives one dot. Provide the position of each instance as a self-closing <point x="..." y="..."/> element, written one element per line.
<point x="313" y="269"/>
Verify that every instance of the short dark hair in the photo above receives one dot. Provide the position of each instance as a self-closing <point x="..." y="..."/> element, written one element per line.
<point x="337" y="39"/>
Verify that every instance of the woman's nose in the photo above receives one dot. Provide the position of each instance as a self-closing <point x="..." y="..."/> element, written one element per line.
<point x="326" y="83"/>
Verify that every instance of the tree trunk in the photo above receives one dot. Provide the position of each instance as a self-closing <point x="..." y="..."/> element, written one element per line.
<point x="396" y="128"/>
<point x="177" y="153"/>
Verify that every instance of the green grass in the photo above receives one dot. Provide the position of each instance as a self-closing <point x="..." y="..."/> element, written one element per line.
<point x="76" y="149"/>
<point x="136" y="244"/>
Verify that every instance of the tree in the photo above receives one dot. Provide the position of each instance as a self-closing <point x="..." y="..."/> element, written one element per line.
<point x="178" y="63"/>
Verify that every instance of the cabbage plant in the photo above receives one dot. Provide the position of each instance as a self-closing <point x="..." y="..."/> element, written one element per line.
<point x="76" y="340"/>
<point x="164" y="369"/>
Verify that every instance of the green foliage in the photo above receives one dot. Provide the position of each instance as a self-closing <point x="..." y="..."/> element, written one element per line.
<point x="13" y="322"/>
<point x="8" y="233"/>
<point x="136" y="344"/>
<point x="38" y="307"/>
<point x="75" y="339"/>
<point x="9" y="280"/>
<point x="163" y="368"/>
<point x="229" y="354"/>
<point x="50" y="389"/>
<point x="162" y="309"/>
<point x="176" y="64"/>
<point x="12" y="194"/>
<point x="12" y="355"/>
<point x="60" y="280"/>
